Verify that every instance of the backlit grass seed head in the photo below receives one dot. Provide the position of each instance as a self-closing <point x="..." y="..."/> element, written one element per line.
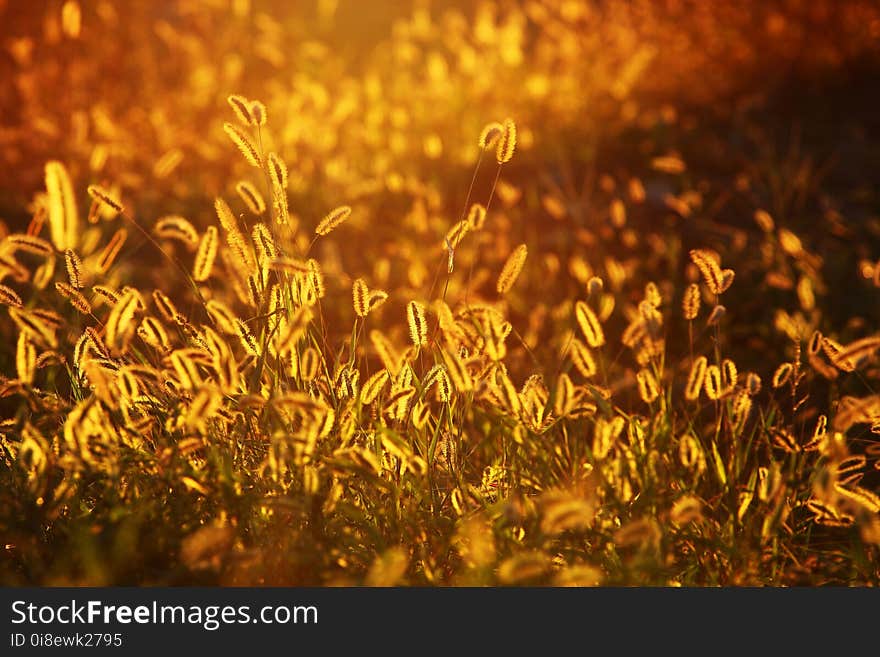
<point x="742" y="406"/>
<point x="248" y="341"/>
<point x="258" y="113"/>
<point x="25" y="359"/>
<point x="582" y="358"/>
<point x="74" y="296"/>
<point x="206" y="254"/>
<point x="103" y="196"/>
<point x="728" y="374"/>
<point x="490" y="135"/>
<point x="333" y="219"/>
<point x="418" y="327"/>
<point x="221" y="315"/>
<point x="227" y="219"/>
<point x="244" y="144"/>
<point x="456" y="234"/>
<point x="512" y="268"/>
<point x="241" y="107"/>
<point x="179" y="229"/>
<point x="153" y="333"/>
<point x="360" y="294"/>
<point x="589" y="324"/>
<point x="74" y="268"/>
<point x="712" y="383"/>
<point x="376" y="299"/>
<point x="251" y="197"/>
<point x="814" y="346"/>
<point x="309" y="363"/>
<point x="458" y="372"/>
<point x="277" y="172"/>
<point x="690" y="453"/>
<point x="374" y="385"/>
<point x="506" y="143"/>
<point x="648" y="388"/>
<point x="476" y="216"/>
<point x="120" y="319"/>
<point x="782" y="375"/>
<point x="695" y="378"/>
<point x="9" y="297"/>
<point x="716" y="280"/>
<point x="63" y="216"/>
<point x="315" y="278"/>
<point x="264" y="244"/>
<point x="30" y="244"/>
<point x="565" y="396"/>
<point x="110" y="297"/>
<point x="862" y="497"/>
<point x="691" y="302"/>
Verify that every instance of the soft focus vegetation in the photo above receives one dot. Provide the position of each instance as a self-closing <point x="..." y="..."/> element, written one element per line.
<point x="447" y="293"/>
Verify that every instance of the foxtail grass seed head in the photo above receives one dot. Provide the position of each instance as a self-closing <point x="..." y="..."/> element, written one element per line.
<point x="227" y="219"/>
<point x="589" y="325"/>
<point x="456" y="234"/>
<point x="476" y="216"/>
<point x="248" y="341"/>
<point x="240" y="106"/>
<point x="251" y="197"/>
<point x="648" y="388"/>
<point x="258" y="113"/>
<point x="716" y="280"/>
<point x="277" y="172"/>
<point x="25" y="359"/>
<point x="490" y="135"/>
<point x="9" y="297"/>
<point x="418" y="327"/>
<point x="512" y="268"/>
<point x="691" y="302"/>
<point x="712" y="383"/>
<point x="728" y="374"/>
<point x="74" y="296"/>
<point x="63" y="215"/>
<point x="582" y="358"/>
<point x="205" y="256"/>
<point x="74" y="268"/>
<point x="177" y="228"/>
<point x="103" y="196"/>
<point x="333" y="219"/>
<point x="815" y="344"/>
<point x="361" y="294"/>
<point x="695" y="378"/>
<point x="244" y="144"/>
<point x="782" y="375"/>
<point x="30" y="244"/>
<point x="506" y="143"/>
<point x="376" y="299"/>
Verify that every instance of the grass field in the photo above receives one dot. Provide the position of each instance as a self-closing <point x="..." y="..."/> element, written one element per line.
<point x="507" y="292"/>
